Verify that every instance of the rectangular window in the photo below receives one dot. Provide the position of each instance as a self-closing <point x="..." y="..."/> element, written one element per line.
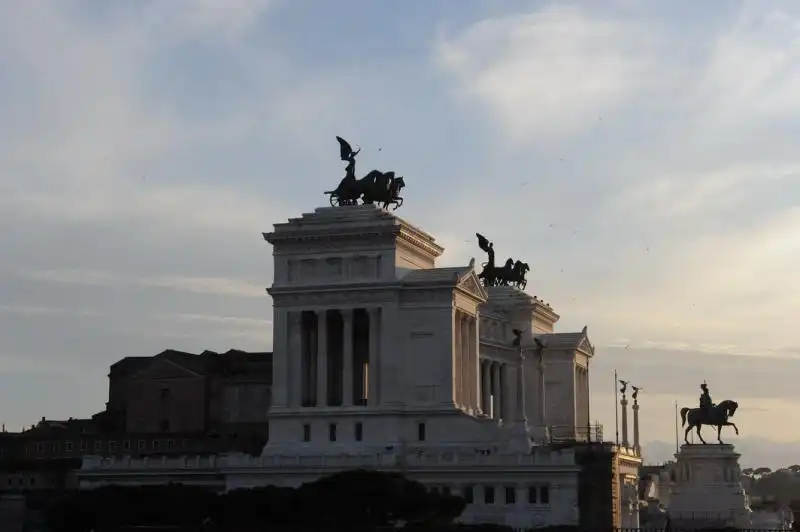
<point x="112" y="446"/>
<point x="544" y="494"/>
<point x="420" y="431"/>
<point x="165" y="393"/>
<point x="532" y="495"/>
<point x="468" y="493"/>
<point x="511" y="495"/>
<point x="488" y="494"/>
<point x="142" y="445"/>
<point x="39" y="447"/>
<point x="359" y="432"/>
<point x="67" y="445"/>
<point x="170" y="444"/>
<point x="98" y="445"/>
<point x="126" y="445"/>
<point x="332" y="432"/>
<point x="306" y="432"/>
<point x="84" y="445"/>
<point x="155" y="445"/>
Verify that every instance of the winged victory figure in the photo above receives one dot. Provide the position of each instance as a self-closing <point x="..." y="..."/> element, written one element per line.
<point x="624" y="387"/>
<point x="488" y="275"/>
<point x="347" y="154"/>
<point x="635" y="393"/>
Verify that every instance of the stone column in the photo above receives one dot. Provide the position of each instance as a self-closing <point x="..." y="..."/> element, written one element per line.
<point x="635" y="409"/>
<point x="280" y="357"/>
<point x="542" y="396"/>
<point x="474" y="365"/>
<point x="294" y="360"/>
<point x="457" y="366"/>
<point x="520" y="414"/>
<point x="465" y="360"/>
<point x="624" y="404"/>
<point x="495" y="371"/>
<point x="486" y="387"/>
<point x="347" y="353"/>
<point x="374" y="349"/>
<point x="322" y="358"/>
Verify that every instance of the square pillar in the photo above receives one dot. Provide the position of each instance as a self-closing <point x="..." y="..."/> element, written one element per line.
<point x="374" y="350"/>
<point x="504" y="397"/>
<point x="294" y="360"/>
<point x="466" y="398"/>
<point x="457" y="366"/>
<point x="486" y="387"/>
<point x="322" y="358"/>
<point x="347" y="353"/>
<point x="494" y="368"/>
<point x="280" y="357"/>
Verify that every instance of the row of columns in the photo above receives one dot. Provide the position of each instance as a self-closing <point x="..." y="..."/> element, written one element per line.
<point x="493" y="383"/>
<point x="333" y="350"/>
<point x="466" y="381"/>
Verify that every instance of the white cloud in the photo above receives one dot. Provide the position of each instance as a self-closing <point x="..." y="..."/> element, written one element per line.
<point x="219" y="286"/>
<point x="551" y="72"/>
<point x="700" y="193"/>
<point x="192" y="18"/>
<point x="227" y="320"/>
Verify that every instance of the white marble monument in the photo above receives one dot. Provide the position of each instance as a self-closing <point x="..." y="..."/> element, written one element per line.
<point x="383" y="360"/>
<point x="707" y="490"/>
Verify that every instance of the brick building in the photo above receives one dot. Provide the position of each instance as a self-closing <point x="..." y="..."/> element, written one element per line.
<point x="173" y="403"/>
<point x="182" y="393"/>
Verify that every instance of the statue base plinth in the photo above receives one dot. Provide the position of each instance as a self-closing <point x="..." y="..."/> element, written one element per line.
<point x="708" y="492"/>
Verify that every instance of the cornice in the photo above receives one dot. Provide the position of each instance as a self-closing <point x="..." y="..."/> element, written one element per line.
<point x="330" y="289"/>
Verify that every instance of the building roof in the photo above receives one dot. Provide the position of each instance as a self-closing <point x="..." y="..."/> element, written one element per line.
<point x="570" y="340"/>
<point x="233" y="361"/>
<point x="431" y="276"/>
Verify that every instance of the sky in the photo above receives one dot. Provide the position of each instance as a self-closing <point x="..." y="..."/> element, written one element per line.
<point x="641" y="158"/>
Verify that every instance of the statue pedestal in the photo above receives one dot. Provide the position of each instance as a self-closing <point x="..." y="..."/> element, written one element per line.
<point x="708" y="492"/>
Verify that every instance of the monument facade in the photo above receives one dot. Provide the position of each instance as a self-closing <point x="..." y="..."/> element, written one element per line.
<point x="383" y="360"/>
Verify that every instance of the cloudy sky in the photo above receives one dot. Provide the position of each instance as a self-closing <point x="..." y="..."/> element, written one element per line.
<point x="642" y="158"/>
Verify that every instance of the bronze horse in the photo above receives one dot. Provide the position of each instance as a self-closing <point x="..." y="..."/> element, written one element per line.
<point x="375" y="187"/>
<point x="716" y="416"/>
<point x="510" y="274"/>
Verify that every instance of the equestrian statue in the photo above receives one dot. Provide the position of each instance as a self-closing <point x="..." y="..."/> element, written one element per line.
<point x="512" y="273"/>
<point x="377" y="187"/>
<point x="715" y="415"/>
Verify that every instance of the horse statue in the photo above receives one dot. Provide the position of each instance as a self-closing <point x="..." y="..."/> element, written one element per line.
<point x="375" y="187"/>
<point x="518" y="272"/>
<point x="382" y="187"/>
<point x="715" y="416"/>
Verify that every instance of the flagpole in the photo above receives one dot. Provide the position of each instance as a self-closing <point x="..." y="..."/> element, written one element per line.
<point x="677" y="448"/>
<point x="616" y="405"/>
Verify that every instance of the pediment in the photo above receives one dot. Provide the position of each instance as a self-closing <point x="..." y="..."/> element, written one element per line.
<point x="164" y="368"/>
<point x="585" y="345"/>
<point x="472" y="285"/>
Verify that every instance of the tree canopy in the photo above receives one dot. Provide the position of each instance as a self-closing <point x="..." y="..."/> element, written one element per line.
<point x="356" y="500"/>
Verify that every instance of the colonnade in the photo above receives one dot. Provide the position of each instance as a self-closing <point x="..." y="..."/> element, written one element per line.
<point x="338" y="364"/>
<point x="465" y="362"/>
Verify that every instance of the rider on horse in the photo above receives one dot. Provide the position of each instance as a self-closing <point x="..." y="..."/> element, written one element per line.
<point x="705" y="399"/>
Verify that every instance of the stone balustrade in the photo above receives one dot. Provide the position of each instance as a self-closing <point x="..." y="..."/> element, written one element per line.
<point x="384" y="460"/>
